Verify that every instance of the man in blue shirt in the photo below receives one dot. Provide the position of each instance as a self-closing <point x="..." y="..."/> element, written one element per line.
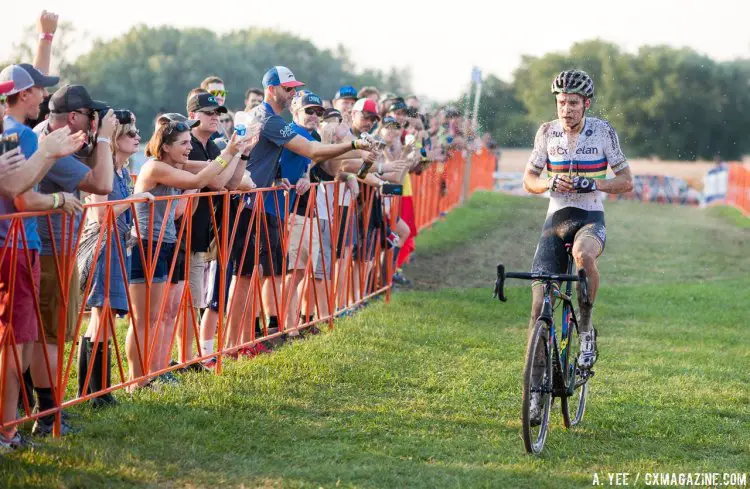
<point x="280" y="86"/>
<point x="307" y="112"/>
<point x="30" y="88"/>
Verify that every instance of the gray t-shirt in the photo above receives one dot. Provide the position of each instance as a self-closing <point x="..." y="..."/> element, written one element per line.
<point x="64" y="176"/>
<point x="263" y="164"/>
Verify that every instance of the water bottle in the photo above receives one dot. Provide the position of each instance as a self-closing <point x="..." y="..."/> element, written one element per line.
<point x="241" y="121"/>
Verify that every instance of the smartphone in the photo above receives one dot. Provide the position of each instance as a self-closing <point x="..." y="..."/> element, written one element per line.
<point x="8" y="142"/>
<point x="393" y="189"/>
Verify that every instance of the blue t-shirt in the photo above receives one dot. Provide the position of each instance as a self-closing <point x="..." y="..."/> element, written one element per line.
<point x="293" y="166"/>
<point x="263" y="164"/>
<point x="29" y="143"/>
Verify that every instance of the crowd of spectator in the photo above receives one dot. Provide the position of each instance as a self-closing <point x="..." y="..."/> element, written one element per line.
<point x="338" y="163"/>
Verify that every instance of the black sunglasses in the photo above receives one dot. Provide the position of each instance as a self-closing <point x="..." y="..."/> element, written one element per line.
<point x="90" y="115"/>
<point x="312" y="110"/>
<point x="133" y="133"/>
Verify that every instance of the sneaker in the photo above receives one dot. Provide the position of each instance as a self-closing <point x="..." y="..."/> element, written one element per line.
<point x="167" y="378"/>
<point x="312" y="330"/>
<point x="588" y="351"/>
<point x="43" y="427"/>
<point x="400" y="279"/>
<point x="197" y="368"/>
<point x="246" y="352"/>
<point x="291" y="338"/>
<point x="17" y="442"/>
<point x="535" y="409"/>
<point x="210" y="363"/>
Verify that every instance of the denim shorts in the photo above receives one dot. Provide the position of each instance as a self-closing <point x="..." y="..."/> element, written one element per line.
<point x="163" y="262"/>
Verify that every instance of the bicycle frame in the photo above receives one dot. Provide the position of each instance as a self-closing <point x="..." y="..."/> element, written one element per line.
<point x="552" y="292"/>
<point x="560" y="349"/>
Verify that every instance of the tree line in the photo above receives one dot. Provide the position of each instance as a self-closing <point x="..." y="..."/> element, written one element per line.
<point x="151" y="69"/>
<point x="671" y="103"/>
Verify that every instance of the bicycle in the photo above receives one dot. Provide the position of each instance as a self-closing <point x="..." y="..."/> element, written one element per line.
<point x="557" y="364"/>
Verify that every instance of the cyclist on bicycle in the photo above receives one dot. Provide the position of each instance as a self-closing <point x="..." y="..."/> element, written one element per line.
<point x="576" y="151"/>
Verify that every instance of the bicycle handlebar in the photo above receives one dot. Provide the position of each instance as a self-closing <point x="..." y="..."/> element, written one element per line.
<point x="545" y="277"/>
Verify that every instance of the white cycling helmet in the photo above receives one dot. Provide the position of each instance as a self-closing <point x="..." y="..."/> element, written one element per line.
<point x="573" y="81"/>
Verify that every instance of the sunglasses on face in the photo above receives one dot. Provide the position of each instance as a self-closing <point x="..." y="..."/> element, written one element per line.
<point x="218" y="93"/>
<point x="289" y="89"/>
<point x="90" y="115"/>
<point x="312" y="110"/>
<point x="209" y="113"/>
<point x="133" y="133"/>
<point x="3" y="99"/>
<point x="226" y="119"/>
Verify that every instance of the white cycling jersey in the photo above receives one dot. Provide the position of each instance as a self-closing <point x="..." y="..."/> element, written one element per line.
<point x="597" y="148"/>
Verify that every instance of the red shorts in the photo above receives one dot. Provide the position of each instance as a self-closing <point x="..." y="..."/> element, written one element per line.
<point x="21" y="313"/>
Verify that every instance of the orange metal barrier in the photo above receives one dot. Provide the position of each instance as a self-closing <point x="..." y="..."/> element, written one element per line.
<point x="738" y="190"/>
<point x="161" y="314"/>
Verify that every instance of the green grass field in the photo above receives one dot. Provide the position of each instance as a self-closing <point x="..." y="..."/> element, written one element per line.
<point x="425" y="392"/>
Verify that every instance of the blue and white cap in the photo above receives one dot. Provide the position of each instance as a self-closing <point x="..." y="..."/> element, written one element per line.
<point x="280" y="75"/>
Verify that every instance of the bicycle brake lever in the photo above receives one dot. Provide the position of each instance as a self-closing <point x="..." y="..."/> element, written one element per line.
<point x="500" y="283"/>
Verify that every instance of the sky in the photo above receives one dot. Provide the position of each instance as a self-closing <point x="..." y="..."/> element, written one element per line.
<point x="438" y="41"/>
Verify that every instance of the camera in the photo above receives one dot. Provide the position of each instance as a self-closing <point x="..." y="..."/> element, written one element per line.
<point x="8" y="142"/>
<point x="101" y="113"/>
<point x="123" y="116"/>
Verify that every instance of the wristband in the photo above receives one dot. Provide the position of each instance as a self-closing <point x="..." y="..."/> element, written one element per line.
<point x="354" y="144"/>
<point x="380" y="167"/>
<point x="221" y="161"/>
<point x="55" y="200"/>
<point x="46" y="36"/>
<point x="245" y="158"/>
<point x="350" y="176"/>
<point x="102" y="139"/>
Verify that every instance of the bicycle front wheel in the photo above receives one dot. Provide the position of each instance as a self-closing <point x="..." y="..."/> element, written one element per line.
<point x="537" y="389"/>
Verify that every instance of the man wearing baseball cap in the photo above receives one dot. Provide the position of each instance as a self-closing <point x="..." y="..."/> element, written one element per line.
<point x="204" y="110"/>
<point x="343" y="101"/>
<point x="364" y="116"/>
<point x="71" y="106"/>
<point x="307" y="112"/>
<point x="26" y="87"/>
<point x="279" y="85"/>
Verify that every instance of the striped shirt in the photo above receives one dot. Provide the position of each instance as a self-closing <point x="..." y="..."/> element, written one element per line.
<point x="597" y="149"/>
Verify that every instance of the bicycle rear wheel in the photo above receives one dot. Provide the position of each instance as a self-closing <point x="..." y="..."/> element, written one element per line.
<point x="537" y="383"/>
<point x="574" y="403"/>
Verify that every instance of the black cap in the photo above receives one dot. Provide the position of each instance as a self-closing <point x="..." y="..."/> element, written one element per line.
<point x="73" y="97"/>
<point x="175" y="117"/>
<point x="332" y="113"/>
<point x="202" y="101"/>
